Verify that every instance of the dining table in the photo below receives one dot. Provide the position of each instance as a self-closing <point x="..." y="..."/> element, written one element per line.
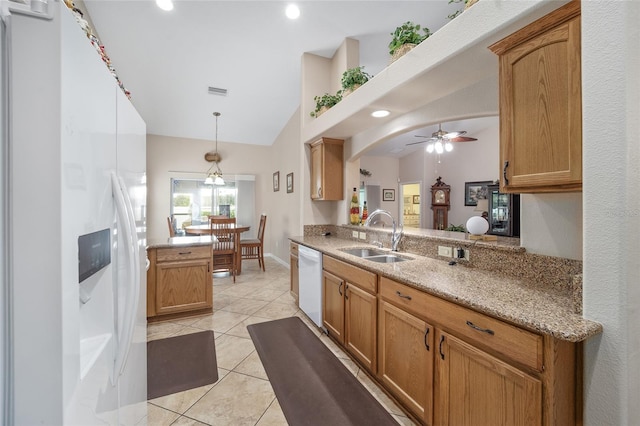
<point x="205" y="229"/>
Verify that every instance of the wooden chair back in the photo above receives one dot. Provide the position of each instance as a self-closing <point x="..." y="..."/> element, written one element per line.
<point x="224" y="231"/>
<point x="263" y="223"/>
<point x="172" y="230"/>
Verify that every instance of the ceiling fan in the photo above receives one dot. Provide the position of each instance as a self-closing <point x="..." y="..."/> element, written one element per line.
<point x="440" y="141"/>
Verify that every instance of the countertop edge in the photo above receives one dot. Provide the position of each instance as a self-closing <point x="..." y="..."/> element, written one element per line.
<point x="542" y="312"/>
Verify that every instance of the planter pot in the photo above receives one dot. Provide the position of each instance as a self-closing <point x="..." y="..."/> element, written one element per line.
<point x="401" y="51"/>
<point x="322" y="110"/>
<point x="347" y="92"/>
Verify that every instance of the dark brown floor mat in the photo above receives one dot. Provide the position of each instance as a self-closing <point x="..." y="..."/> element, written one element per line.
<point x="176" y="364"/>
<point x="312" y="386"/>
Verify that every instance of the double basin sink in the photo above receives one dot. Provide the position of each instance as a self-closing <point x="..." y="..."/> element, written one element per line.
<point x="373" y="255"/>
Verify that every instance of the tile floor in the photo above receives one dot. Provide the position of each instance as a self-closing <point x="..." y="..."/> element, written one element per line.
<point x="243" y="394"/>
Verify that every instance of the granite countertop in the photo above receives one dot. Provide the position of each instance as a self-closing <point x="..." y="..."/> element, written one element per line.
<point x="520" y="302"/>
<point x="201" y="240"/>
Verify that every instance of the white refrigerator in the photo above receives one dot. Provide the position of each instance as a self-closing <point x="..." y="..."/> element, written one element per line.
<point x="73" y="204"/>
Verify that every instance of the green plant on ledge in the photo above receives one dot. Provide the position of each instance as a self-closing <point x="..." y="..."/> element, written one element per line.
<point x="354" y="77"/>
<point x="325" y="102"/>
<point x="456" y="228"/>
<point x="407" y="33"/>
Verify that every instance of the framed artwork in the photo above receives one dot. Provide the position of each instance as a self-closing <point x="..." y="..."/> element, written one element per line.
<point x="474" y="191"/>
<point x="276" y="181"/>
<point x="416" y="199"/>
<point x="388" y="195"/>
<point x="290" y="183"/>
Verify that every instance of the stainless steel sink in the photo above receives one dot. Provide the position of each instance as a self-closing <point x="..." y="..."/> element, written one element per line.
<point x="386" y="258"/>
<point x="363" y="252"/>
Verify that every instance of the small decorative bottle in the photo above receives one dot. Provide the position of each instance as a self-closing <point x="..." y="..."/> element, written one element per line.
<point x="365" y="212"/>
<point x="354" y="214"/>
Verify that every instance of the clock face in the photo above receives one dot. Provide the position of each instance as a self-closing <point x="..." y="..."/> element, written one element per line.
<point x="439" y="197"/>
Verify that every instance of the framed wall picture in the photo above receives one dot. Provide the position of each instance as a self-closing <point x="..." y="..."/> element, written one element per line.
<point x="388" y="195"/>
<point x="276" y="181"/>
<point x="474" y="191"/>
<point x="290" y="183"/>
<point x="416" y="199"/>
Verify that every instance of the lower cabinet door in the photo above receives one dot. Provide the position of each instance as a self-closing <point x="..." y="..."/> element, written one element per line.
<point x="405" y="363"/>
<point x="360" y="325"/>
<point x="333" y="305"/>
<point x="475" y="388"/>
<point x="183" y="286"/>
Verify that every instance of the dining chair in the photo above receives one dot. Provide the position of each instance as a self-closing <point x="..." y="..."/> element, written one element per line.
<point x="254" y="248"/>
<point x="172" y="230"/>
<point x="225" y="245"/>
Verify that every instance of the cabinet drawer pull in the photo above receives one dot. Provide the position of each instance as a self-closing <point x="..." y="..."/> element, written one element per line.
<point x="504" y="173"/>
<point x="440" y="347"/>
<point x="404" y="296"/>
<point x="320" y="192"/>
<point x="339" y="287"/>
<point x="184" y="252"/>
<point x="426" y="336"/>
<point x="346" y="287"/>
<point x="484" y="330"/>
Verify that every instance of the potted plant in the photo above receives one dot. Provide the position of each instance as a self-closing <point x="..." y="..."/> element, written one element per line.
<point x="324" y="102"/>
<point x="467" y="5"/>
<point x="352" y="79"/>
<point x="406" y="37"/>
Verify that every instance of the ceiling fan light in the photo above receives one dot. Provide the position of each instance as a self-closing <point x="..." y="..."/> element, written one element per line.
<point x="448" y="147"/>
<point x="209" y="180"/>
<point x="439" y="148"/>
<point x="218" y="181"/>
<point x="430" y="148"/>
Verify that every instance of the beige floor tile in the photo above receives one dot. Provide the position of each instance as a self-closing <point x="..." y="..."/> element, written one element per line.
<point x="275" y="310"/>
<point x="273" y="416"/>
<point x="186" y="421"/>
<point x="220" y="300"/>
<point x="161" y="330"/>
<point x="252" y="366"/>
<point x="189" y="330"/>
<point x="158" y="416"/>
<point x="232" y="350"/>
<point x="237" y="290"/>
<point x="265" y="294"/>
<point x="240" y="330"/>
<point x="245" y="306"/>
<point x="181" y="401"/>
<point x="222" y="406"/>
<point x="220" y="321"/>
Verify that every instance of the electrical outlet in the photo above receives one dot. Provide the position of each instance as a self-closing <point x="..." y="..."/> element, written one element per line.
<point x="461" y="253"/>
<point x="354" y="234"/>
<point x="445" y="251"/>
<point x="363" y="235"/>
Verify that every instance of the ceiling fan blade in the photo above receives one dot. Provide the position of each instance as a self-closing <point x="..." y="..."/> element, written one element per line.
<point x="462" y="139"/>
<point x="425" y="136"/>
<point x="416" y="143"/>
<point x="451" y="135"/>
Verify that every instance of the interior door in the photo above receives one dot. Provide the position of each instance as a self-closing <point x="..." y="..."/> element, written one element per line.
<point x="411" y="204"/>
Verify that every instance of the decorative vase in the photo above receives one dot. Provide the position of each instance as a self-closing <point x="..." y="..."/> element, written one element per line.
<point x="401" y="51"/>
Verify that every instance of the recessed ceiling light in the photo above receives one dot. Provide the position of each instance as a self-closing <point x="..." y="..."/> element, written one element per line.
<point x="380" y="113"/>
<point x="292" y="11"/>
<point x="165" y="4"/>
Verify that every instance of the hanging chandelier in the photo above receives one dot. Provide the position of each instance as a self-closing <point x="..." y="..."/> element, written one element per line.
<point x="214" y="177"/>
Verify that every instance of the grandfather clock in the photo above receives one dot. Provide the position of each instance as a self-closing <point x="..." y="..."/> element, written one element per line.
<point x="440" y="204"/>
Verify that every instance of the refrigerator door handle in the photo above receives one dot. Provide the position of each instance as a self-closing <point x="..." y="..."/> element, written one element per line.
<point x="125" y="216"/>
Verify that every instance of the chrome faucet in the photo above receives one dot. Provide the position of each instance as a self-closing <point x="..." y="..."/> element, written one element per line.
<point x="396" y="234"/>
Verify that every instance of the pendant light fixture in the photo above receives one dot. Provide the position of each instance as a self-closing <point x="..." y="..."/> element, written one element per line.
<point x="215" y="177"/>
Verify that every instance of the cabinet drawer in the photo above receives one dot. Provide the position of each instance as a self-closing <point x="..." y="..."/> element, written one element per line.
<point x="293" y="248"/>
<point x="364" y="279"/>
<point x="495" y="335"/>
<point x="183" y="253"/>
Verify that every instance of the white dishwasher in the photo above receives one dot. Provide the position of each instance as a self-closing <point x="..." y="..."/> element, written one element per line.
<point x="310" y="283"/>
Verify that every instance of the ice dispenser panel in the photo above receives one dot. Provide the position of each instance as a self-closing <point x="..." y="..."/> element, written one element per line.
<point x="94" y="252"/>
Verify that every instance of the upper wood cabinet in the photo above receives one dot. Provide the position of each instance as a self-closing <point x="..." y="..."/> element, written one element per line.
<point x="541" y="105"/>
<point x="327" y="169"/>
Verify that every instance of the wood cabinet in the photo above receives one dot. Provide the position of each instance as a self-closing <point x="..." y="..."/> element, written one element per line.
<point x="327" y="169"/>
<point x="405" y="366"/>
<point x="349" y="310"/>
<point x="475" y="388"/>
<point x="179" y="281"/>
<point x="540" y="104"/>
<point x="293" y="268"/>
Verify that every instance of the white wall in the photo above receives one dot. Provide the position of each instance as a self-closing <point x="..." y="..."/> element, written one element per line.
<point x="384" y="172"/>
<point x="611" y="154"/>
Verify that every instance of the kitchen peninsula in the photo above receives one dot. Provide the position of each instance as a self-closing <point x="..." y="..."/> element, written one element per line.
<point x="179" y="280"/>
<point x="506" y="349"/>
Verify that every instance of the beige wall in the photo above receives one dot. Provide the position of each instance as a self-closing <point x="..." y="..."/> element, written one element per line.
<point x="169" y="157"/>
